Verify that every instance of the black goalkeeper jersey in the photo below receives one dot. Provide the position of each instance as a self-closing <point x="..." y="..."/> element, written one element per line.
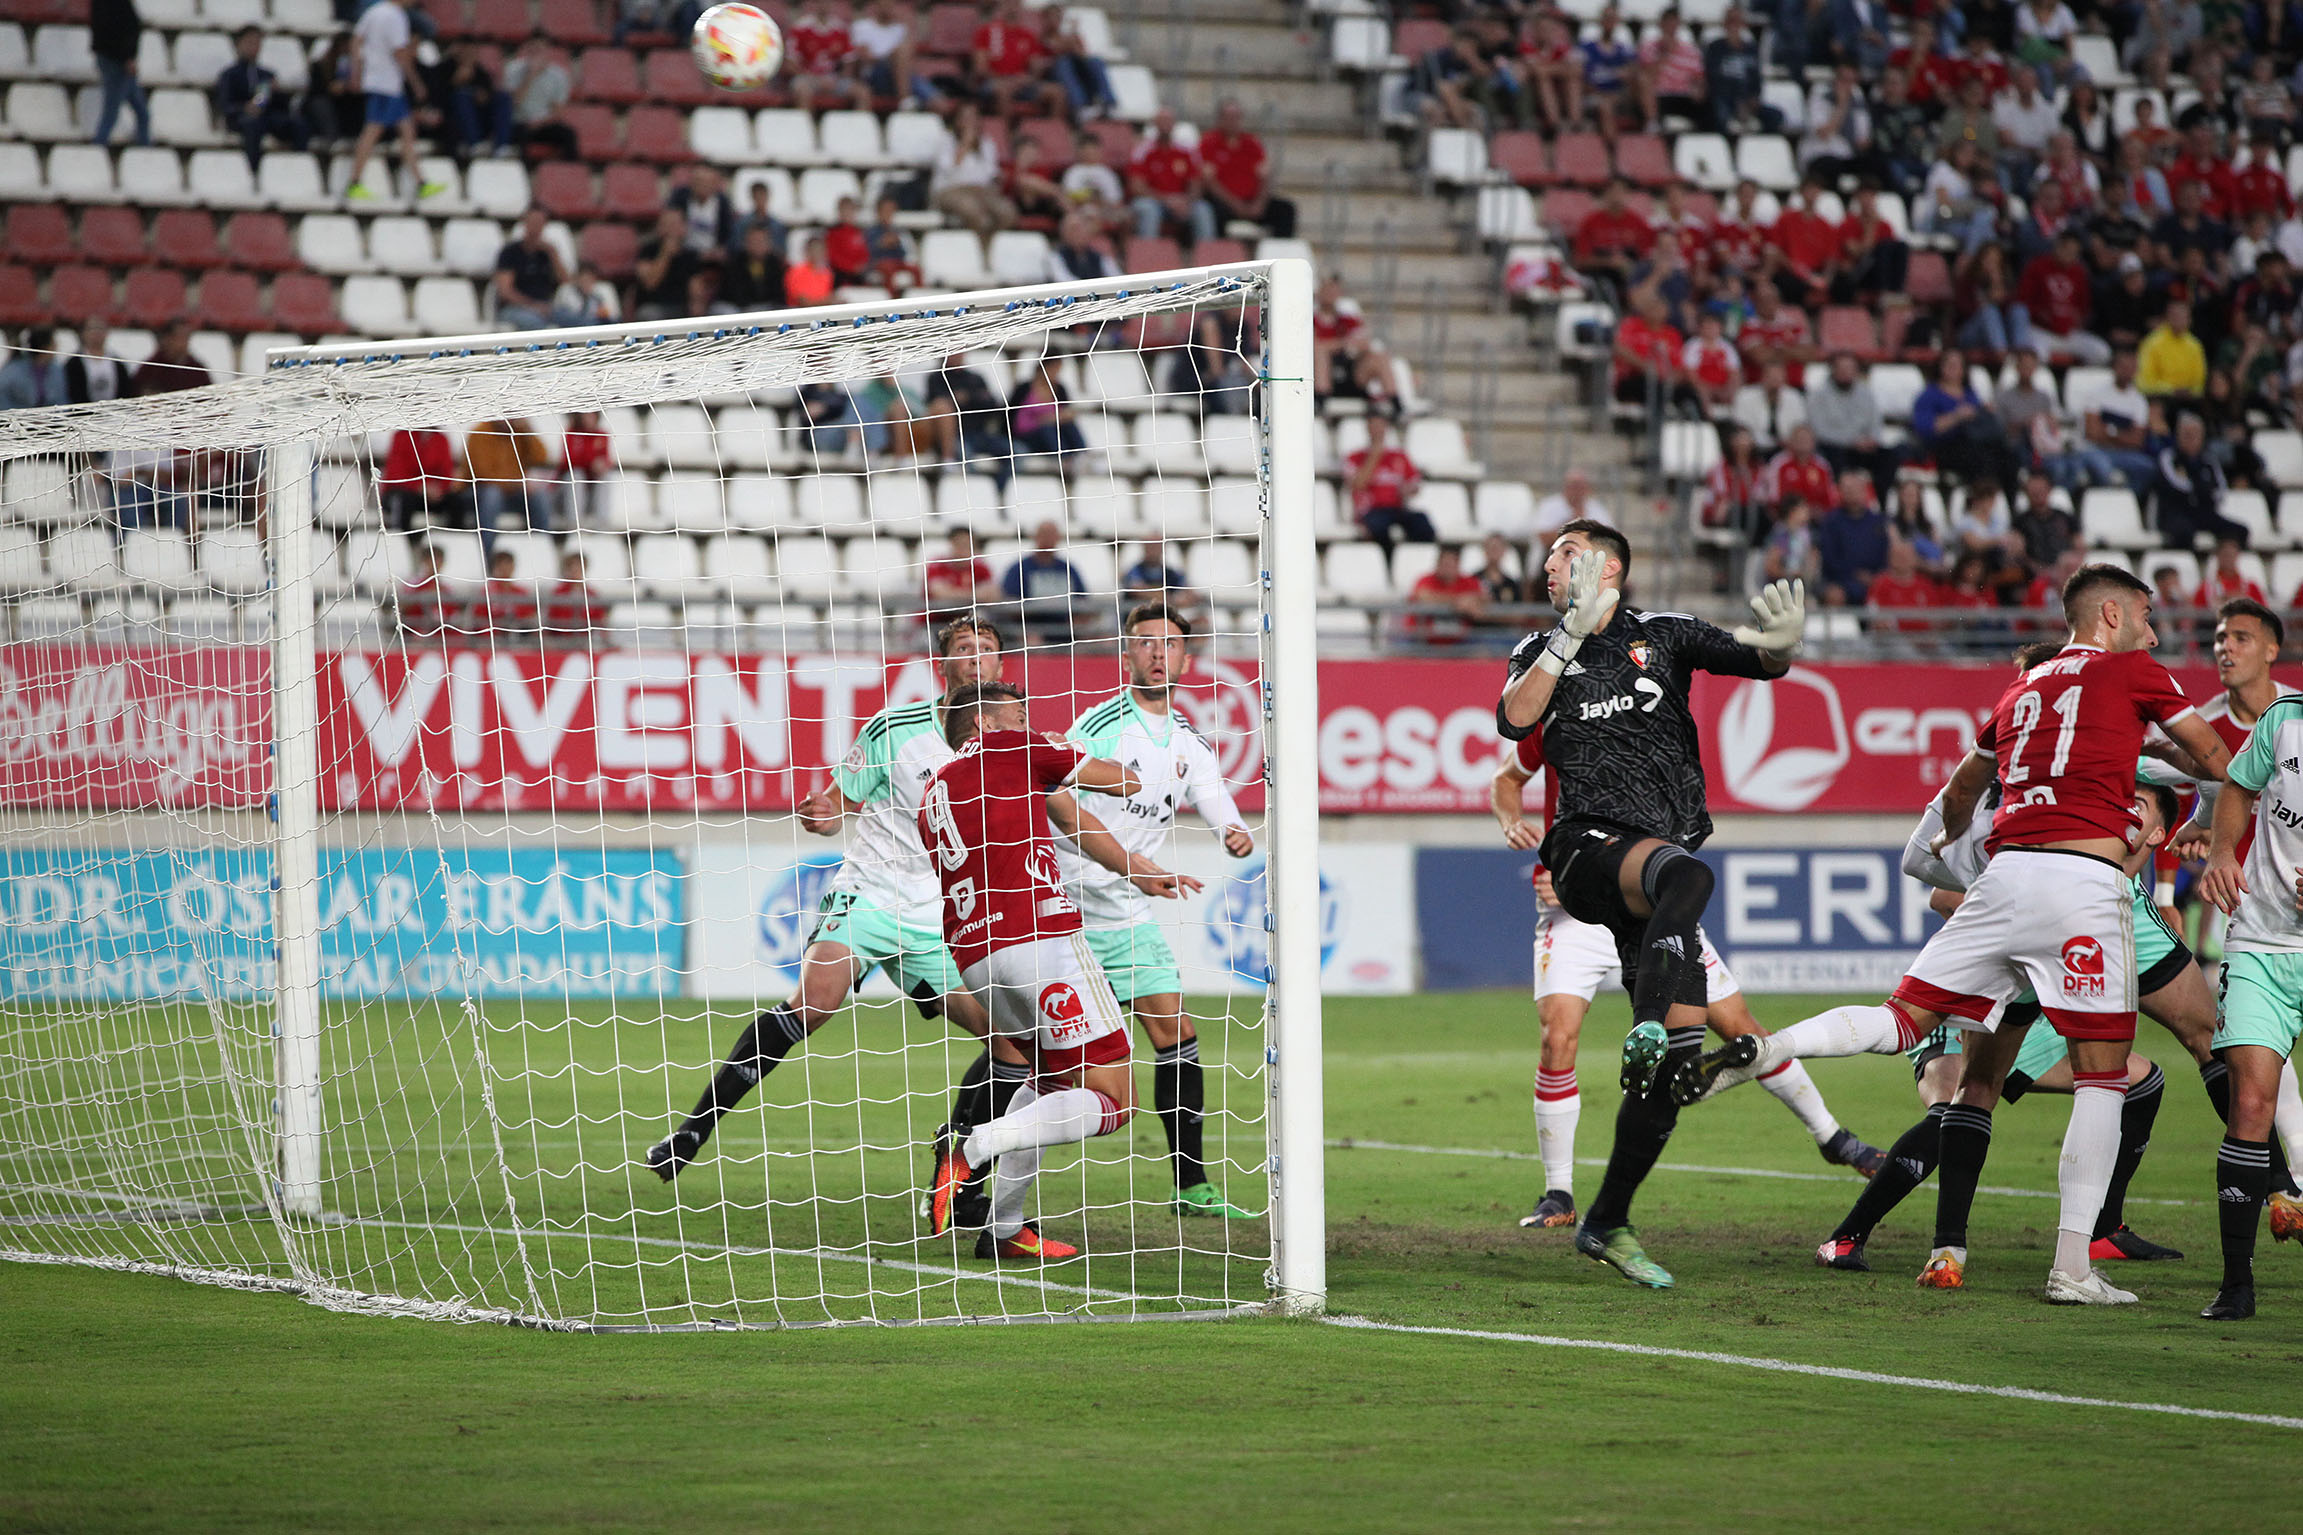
<point x="1618" y="734"/>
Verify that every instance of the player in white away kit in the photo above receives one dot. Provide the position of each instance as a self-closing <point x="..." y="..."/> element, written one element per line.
<point x="1141" y="727"/>
<point x="986" y="819"/>
<point x="2051" y="910"/>
<point x="1572" y="961"/>
<point x="881" y="908"/>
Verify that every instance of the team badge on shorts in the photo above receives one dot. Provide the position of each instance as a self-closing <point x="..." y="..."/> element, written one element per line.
<point x="2082" y="968"/>
<point x="1061" y="1011"/>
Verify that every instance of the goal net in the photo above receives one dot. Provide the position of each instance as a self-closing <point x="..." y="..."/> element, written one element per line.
<point x="422" y="765"/>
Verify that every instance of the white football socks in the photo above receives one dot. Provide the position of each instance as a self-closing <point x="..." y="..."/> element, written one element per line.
<point x="2090" y="1147"/>
<point x="1073" y="1114"/>
<point x="1874" y="1030"/>
<point x="1557" y="1107"/>
<point x="1012" y="1183"/>
<point x="1796" y="1091"/>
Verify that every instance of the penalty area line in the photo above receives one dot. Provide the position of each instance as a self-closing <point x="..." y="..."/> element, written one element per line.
<point x="1829" y="1372"/>
<point x="1495" y="1154"/>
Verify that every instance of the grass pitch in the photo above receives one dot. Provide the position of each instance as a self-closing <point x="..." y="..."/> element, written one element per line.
<point x="137" y="1402"/>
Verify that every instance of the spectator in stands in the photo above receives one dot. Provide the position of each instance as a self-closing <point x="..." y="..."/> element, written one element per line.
<point x="1046" y="588"/>
<point x="1733" y="75"/>
<point x="1770" y="409"/>
<point x="384" y="69"/>
<point x="2020" y="404"/>
<point x="1347" y="361"/>
<point x="2190" y="488"/>
<point x="1553" y="69"/>
<point x="1078" y="73"/>
<point x="1858" y="31"/>
<point x="2115" y="420"/>
<point x="754" y="280"/>
<point x="506" y="465"/>
<point x="1953" y="203"/>
<point x="1453" y="599"/>
<point x="1670" y="76"/>
<point x="1984" y="302"/>
<point x="829" y="412"/>
<point x="1806" y="248"/>
<point x="478" y="108"/>
<point x="570" y="613"/>
<point x="1971" y="584"/>
<point x="1874" y="262"/>
<point x="1915" y="525"/>
<point x="887" y="413"/>
<point x="1040" y="420"/>
<point x="958" y="582"/>
<point x="809" y="280"/>
<point x="588" y="298"/>
<point x="528" y="277"/>
<point x="586" y="458"/>
<point x="1904" y="587"/>
<point x="1647" y="359"/>
<point x="1852" y="540"/>
<point x="1729" y="497"/>
<point x="1778" y="330"/>
<point x="1901" y="132"/>
<point x="1789" y="553"/>
<point x="2172" y="596"/>
<point x="1213" y="367"/>
<point x="1572" y="500"/>
<point x="1710" y="365"/>
<point x="1499" y="578"/>
<point x="1838" y="140"/>
<point x="707" y="212"/>
<point x="816" y="51"/>
<point x="1955" y="427"/>
<point x="1984" y="526"/>
<point x="1009" y="60"/>
<point x="250" y="103"/>
<point x="664" y="270"/>
<point x="890" y="249"/>
<point x="962" y="421"/>
<point x="965" y="179"/>
<point x="171" y="366"/>
<point x="507" y="604"/>
<point x="1613" y="236"/>
<point x="333" y="105"/>
<point x="881" y="57"/>
<point x="1237" y="182"/>
<point x="2045" y="594"/>
<point x="760" y="215"/>
<point x="1164" y="184"/>
<point x="2043" y="521"/>
<point x="1447" y="82"/>
<point x="115" y="35"/>
<point x="1798" y="473"/>
<point x="91" y="373"/>
<point x="420" y="485"/>
<point x="2226" y="578"/>
<point x="2192" y="226"/>
<point x="1025" y="182"/>
<point x="2057" y="297"/>
<point x="2026" y="120"/>
<point x="1094" y="188"/>
<point x="539" y="86"/>
<point x="2171" y="361"/>
<point x="30" y="378"/>
<point x="1608" y="62"/>
<point x="1151" y="578"/>
<point x="1380" y="479"/>
<point x="1848" y="426"/>
<point x="420" y="605"/>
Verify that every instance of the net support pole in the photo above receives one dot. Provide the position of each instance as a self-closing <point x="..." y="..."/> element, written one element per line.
<point x="1291" y="813"/>
<point x="295" y="830"/>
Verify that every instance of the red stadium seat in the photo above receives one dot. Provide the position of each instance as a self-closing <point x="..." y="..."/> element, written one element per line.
<point x="77" y="293"/>
<point x="609" y="74"/>
<point x="1580" y="159"/>
<point x="1928" y="279"/>
<point x="1521" y="156"/>
<point x="1564" y="210"/>
<point x="155" y="297"/>
<point x="672" y="79"/>
<point x="1158" y="254"/>
<point x="1417" y="36"/>
<point x="230" y="301"/>
<point x="1849" y="328"/>
<point x="595" y="125"/>
<point x="658" y="135"/>
<point x="612" y="248"/>
<point x="115" y="237"/>
<point x="187" y="237"/>
<point x="502" y="21"/>
<point x="304" y="302"/>
<point x="1119" y="141"/>
<point x="451" y="17"/>
<point x="40" y="233"/>
<point x="1218" y="252"/>
<point x="1645" y="159"/>
<point x="20" y="297"/>
<point x="572" y="23"/>
<point x="1054" y="137"/>
<point x="951" y="31"/>
<point x="1704" y="206"/>
<point x="564" y="190"/>
<point x="259" y="242"/>
<point x="634" y="192"/>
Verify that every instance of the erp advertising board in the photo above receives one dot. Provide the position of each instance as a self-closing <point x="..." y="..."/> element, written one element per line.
<point x="196" y="924"/>
<point x="1801" y="919"/>
<point x="754" y="908"/>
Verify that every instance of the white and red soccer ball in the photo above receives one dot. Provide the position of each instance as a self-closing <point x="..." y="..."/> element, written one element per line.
<point x="738" y="47"/>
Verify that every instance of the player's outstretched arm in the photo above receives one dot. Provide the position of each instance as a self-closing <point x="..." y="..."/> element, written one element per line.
<point x="1506" y="797"/>
<point x="2224" y="882"/>
<point x="822" y="811"/>
<point x="1779" y="624"/>
<point x="1104" y="776"/>
<point x="1960" y="798"/>
<point x="1092" y="839"/>
<point x="1590" y="604"/>
<point x="2208" y="753"/>
<point x="1206" y="792"/>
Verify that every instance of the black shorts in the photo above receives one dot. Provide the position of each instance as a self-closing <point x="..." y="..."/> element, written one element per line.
<point x="1586" y="863"/>
<point x="2162" y="974"/>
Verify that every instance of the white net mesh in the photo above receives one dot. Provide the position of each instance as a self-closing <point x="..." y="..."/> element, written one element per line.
<point x="595" y="613"/>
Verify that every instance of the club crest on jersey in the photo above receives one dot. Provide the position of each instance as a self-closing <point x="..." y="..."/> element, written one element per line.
<point x="2082" y="968"/>
<point x="1639" y="650"/>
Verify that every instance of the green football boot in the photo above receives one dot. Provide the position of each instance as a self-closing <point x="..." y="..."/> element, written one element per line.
<point x="1620" y="1250"/>
<point x="1643" y="1050"/>
<point x="1206" y="1199"/>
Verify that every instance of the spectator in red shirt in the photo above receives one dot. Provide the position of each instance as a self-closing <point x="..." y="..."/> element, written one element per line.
<point x="1164" y="182"/>
<point x="570" y="612"/>
<point x="1670" y="75"/>
<point x="958" y="582"/>
<point x="507" y="603"/>
<point x="2199" y="162"/>
<point x="2057" y="293"/>
<point x="2259" y="185"/>
<point x="1379" y="479"/>
<point x="1024" y="181"/>
<point x="1233" y="161"/>
<point x="1346" y="358"/>
<point x="1647" y="357"/>
<point x="2045" y="593"/>
<point x="845" y="248"/>
<point x="1775" y="329"/>
<point x="1461" y="598"/>
<point x="1934" y="79"/>
<point x="1009" y="60"/>
<point x="1971" y="583"/>
<point x="1799" y="472"/>
<point x="2225" y="580"/>
<point x="422" y="600"/>
<point x="1554" y="69"/>
<point x="816" y="52"/>
<point x="1810" y="245"/>
<point x="1710" y="365"/>
<point x="421" y="483"/>
<point x="1613" y="236"/>
<point x="1873" y="260"/>
<point x="1903" y="586"/>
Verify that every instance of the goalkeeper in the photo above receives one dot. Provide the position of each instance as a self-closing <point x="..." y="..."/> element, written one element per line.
<point x="1608" y="689"/>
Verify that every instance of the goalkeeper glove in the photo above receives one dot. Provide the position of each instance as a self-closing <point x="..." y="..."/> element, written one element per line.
<point x="1781" y="609"/>
<point x="1589" y="607"/>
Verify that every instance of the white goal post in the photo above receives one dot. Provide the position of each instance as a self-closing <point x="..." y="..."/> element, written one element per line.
<point x="402" y="761"/>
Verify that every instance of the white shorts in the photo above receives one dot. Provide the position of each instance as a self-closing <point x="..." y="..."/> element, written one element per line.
<point x="1052" y="994"/>
<point x="1575" y="959"/>
<point x="2062" y="924"/>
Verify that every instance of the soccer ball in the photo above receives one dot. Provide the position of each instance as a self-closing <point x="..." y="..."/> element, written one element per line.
<point x="737" y="46"/>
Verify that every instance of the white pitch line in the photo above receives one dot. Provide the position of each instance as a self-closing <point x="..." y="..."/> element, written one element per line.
<point x="1355" y="1143"/>
<point x="1832" y="1372"/>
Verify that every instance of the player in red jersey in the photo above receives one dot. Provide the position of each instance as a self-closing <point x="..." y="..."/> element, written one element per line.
<point x="1015" y="934"/>
<point x="2051" y="910"/>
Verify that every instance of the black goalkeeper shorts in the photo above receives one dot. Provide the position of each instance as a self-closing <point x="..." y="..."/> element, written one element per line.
<point x="1586" y="863"/>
